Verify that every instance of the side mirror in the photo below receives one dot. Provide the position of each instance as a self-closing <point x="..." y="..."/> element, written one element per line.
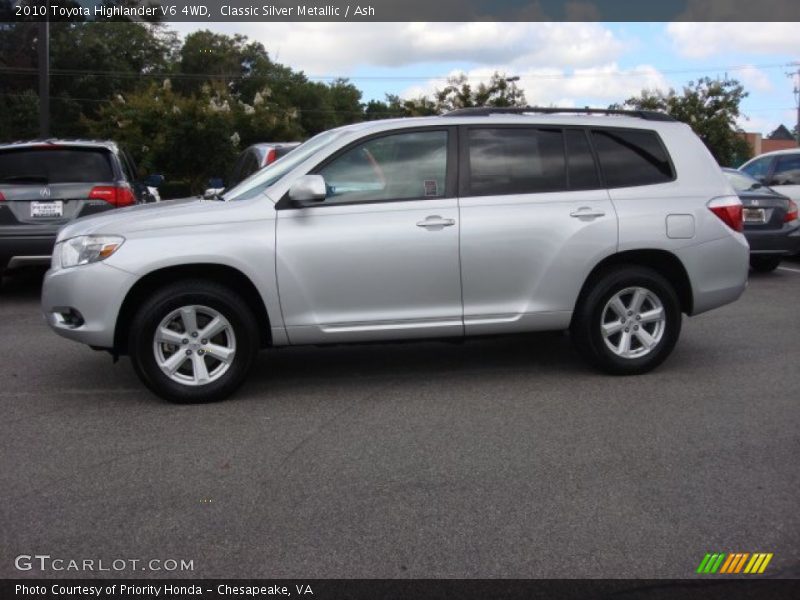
<point x="308" y="188"/>
<point x="153" y="180"/>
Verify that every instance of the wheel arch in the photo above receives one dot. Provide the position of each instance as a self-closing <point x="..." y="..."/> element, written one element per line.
<point x="662" y="261"/>
<point x="218" y="273"/>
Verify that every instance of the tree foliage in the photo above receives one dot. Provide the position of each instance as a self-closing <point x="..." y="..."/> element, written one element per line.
<point x="710" y="107"/>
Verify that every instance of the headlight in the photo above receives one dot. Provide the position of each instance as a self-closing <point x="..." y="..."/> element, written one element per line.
<point x="86" y="249"/>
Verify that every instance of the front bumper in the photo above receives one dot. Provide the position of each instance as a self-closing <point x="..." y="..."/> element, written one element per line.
<point x="776" y="241"/>
<point x="82" y="303"/>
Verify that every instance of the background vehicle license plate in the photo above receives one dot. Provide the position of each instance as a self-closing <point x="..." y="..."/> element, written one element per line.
<point x="754" y="215"/>
<point x="47" y="209"/>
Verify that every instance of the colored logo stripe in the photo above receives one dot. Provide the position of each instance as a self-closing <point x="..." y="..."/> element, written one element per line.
<point x="734" y="563"/>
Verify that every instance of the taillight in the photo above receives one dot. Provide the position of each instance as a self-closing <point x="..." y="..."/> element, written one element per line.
<point x="791" y="212"/>
<point x="270" y="157"/>
<point x="2" y="198"/>
<point x="729" y="210"/>
<point x="115" y="195"/>
<point x="125" y="196"/>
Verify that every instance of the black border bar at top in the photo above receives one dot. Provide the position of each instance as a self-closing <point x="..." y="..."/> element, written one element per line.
<point x="405" y="11"/>
<point x="647" y="115"/>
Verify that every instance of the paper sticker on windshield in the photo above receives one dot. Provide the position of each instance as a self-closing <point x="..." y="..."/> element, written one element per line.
<point x="431" y="187"/>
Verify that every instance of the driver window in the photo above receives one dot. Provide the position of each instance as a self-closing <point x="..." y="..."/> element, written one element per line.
<point x="404" y="166"/>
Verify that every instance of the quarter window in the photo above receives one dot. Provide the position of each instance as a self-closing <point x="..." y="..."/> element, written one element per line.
<point x="403" y="166"/>
<point x="632" y="157"/>
<point x="515" y="161"/>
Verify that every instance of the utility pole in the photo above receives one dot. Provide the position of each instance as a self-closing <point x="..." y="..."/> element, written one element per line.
<point x="795" y="75"/>
<point x="44" y="78"/>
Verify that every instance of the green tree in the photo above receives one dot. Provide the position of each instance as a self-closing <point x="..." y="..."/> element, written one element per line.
<point x="500" y="91"/>
<point x="710" y="107"/>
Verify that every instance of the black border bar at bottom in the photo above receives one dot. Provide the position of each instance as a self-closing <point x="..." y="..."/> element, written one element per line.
<point x="400" y="589"/>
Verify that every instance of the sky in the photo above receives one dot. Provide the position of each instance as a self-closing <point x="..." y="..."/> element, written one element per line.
<point x="562" y="64"/>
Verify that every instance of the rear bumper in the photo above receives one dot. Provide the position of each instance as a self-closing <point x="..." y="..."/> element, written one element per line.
<point x="718" y="271"/>
<point x="26" y="245"/>
<point x="94" y="293"/>
<point x="777" y="241"/>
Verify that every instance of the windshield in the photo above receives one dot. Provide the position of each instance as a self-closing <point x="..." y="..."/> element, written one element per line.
<point x="269" y="175"/>
<point x="742" y="182"/>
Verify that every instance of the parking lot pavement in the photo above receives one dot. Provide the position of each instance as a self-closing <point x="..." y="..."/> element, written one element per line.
<point x="500" y="457"/>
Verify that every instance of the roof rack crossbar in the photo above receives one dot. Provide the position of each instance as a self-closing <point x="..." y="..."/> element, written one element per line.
<point x="485" y="111"/>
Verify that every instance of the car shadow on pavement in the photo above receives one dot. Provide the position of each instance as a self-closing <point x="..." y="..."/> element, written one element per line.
<point x="24" y="283"/>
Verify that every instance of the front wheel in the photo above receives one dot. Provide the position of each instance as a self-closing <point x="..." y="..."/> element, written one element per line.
<point x="193" y="341"/>
<point x="628" y="321"/>
<point x="764" y="264"/>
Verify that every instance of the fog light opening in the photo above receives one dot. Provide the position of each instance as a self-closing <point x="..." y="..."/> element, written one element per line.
<point x="69" y="317"/>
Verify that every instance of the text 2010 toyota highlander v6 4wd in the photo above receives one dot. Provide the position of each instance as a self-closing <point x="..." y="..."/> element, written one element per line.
<point x="477" y="222"/>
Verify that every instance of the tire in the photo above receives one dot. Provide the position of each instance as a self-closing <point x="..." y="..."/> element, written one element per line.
<point x="226" y="355"/>
<point x="764" y="264"/>
<point x="597" y="310"/>
<point x="3" y="264"/>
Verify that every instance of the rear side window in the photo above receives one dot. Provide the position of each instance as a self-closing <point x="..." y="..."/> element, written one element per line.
<point x="283" y="151"/>
<point x="787" y="170"/>
<point x="632" y="157"/>
<point x="62" y="165"/>
<point x="515" y="161"/>
<point x="583" y="173"/>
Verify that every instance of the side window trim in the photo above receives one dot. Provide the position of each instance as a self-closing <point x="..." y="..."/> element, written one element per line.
<point x="451" y="173"/>
<point x="601" y="180"/>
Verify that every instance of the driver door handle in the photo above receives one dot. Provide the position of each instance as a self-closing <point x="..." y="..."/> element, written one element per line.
<point x="587" y="212"/>
<point x="435" y="223"/>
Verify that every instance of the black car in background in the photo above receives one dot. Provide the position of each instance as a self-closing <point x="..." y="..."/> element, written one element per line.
<point x="45" y="184"/>
<point x="252" y="159"/>
<point x="771" y="223"/>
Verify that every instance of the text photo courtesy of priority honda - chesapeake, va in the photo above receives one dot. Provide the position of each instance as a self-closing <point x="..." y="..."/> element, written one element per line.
<point x="399" y="300"/>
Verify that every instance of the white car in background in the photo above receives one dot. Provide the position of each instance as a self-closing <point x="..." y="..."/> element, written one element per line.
<point x="779" y="170"/>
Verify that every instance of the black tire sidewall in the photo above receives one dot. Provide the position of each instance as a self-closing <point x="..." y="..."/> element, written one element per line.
<point x="764" y="264"/>
<point x="590" y="315"/>
<point x="168" y="299"/>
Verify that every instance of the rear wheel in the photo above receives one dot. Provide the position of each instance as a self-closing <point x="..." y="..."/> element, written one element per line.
<point x="628" y="322"/>
<point x="193" y="341"/>
<point x="764" y="264"/>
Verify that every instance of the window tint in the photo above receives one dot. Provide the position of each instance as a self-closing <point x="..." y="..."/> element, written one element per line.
<point x="394" y="167"/>
<point x="515" y="161"/>
<point x="249" y="166"/>
<point x="631" y="158"/>
<point x="283" y="151"/>
<point x="55" y="166"/>
<point x="582" y="170"/>
<point x="759" y="167"/>
<point x="787" y="170"/>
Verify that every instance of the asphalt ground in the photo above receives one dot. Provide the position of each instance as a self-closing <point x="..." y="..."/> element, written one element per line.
<point x="498" y="457"/>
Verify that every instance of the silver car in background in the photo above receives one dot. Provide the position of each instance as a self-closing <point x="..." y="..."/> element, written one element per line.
<point x="482" y="221"/>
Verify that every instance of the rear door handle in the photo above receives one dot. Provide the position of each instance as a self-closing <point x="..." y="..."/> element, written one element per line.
<point x="586" y="212"/>
<point x="435" y="223"/>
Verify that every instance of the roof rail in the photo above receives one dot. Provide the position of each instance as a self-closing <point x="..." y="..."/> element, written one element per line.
<point x="485" y="111"/>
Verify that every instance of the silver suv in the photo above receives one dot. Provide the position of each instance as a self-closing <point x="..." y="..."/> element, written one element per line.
<point x="477" y="222"/>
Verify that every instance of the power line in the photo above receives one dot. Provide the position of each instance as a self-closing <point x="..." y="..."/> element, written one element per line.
<point x="540" y="76"/>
